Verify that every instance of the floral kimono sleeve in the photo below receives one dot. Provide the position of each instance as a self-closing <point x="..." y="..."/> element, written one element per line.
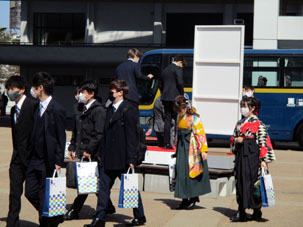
<point x="199" y="134"/>
<point x="266" y="150"/>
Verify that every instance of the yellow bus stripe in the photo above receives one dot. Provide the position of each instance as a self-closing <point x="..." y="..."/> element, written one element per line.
<point x="278" y="90"/>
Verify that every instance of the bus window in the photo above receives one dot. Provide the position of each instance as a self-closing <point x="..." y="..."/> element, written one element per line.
<point x="261" y="72"/>
<point x="188" y="72"/>
<point x="147" y="89"/>
<point x="293" y="76"/>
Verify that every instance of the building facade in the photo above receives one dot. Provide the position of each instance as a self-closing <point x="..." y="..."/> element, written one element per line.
<point x="77" y="40"/>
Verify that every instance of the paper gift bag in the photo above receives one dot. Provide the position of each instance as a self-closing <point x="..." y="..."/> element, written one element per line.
<point x="172" y="174"/>
<point x="87" y="175"/>
<point x="267" y="190"/>
<point x="129" y="190"/>
<point x="55" y="196"/>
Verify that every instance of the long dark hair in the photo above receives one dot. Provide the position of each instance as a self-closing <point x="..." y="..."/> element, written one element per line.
<point x="181" y="102"/>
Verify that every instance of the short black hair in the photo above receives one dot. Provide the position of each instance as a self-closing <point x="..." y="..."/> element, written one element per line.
<point x="119" y="85"/>
<point x="250" y="101"/>
<point x="181" y="58"/>
<point x="90" y="86"/>
<point x="249" y="87"/>
<point x="15" y="81"/>
<point x="44" y="79"/>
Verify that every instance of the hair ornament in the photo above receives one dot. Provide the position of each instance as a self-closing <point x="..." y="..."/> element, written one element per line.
<point x="187" y="101"/>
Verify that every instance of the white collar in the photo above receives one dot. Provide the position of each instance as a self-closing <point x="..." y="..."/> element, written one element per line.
<point x="116" y="105"/>
<point x="20" y="102"/>
<point x="89" y="104"/>
<point x="46" y="102"/>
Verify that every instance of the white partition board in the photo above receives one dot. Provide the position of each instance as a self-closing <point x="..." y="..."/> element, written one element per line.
<point x="217" y="76"/>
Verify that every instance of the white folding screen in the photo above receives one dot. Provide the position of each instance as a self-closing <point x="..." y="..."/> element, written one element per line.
<point x="217" y="76"/>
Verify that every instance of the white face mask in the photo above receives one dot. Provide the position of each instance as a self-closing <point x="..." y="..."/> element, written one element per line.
<point x="248" y="94"/>
<point x="82" y="98"/>
<point x="245" y="112"/>
<point x="33" y="93"/>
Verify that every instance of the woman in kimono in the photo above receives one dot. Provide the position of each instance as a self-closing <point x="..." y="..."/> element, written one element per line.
<point x="252" y="147"/>
<point x="192" y="178"/>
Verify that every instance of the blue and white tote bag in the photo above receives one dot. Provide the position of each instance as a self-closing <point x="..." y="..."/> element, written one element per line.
<point x="267" y="189"/>
<point x="55" y="196"/>
<point x="129" y="190"/>
<point x="87" y="175"/>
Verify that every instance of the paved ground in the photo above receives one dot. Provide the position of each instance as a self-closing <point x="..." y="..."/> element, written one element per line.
<point x="287" y="174"/>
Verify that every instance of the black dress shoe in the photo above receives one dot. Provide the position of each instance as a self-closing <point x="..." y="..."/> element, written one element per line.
<point x="168" y="147"/>
<point x="71" y="215"/>
<point x="110" y="210"/>
<point x="257" y="215"/>
<point x="192" y="202"/>
<point x="183" y="205"/>
<point x="137" y="221"/>
<point x="239" y="217"/>
<point x="96" y="223"/>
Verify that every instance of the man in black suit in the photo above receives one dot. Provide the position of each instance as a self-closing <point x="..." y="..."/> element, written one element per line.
<point x="130" y="72"/>
<point x="47" y="144"/>
<point x="172" y="85"/>
<point x="86" y="137"/>
<point x="117" y="151"/>
<point x="22" y="114"/>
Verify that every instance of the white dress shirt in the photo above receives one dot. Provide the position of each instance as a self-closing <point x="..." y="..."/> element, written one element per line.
<point x="43" y="105"/>
<point x="18" y="107"/>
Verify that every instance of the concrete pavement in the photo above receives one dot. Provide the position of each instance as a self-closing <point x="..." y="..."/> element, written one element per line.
<point x="287" y="174"/>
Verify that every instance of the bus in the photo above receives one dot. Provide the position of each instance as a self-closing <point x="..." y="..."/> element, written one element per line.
<point x="276" y="75"/>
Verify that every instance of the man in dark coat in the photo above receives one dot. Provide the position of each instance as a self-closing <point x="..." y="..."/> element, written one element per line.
<point x="47" y="144"/>
<point x="86" y="137"/>
<point x="117" y="150"/>
<point x="172" y="85"/>
<point x="130" y="72"/>
<point x="22" y="114"/>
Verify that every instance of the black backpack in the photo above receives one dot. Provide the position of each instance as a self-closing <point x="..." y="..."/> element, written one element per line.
<point x="141" y="147"/>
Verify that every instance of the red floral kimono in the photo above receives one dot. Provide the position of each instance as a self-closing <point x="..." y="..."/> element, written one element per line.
<point x="256" y="147"/>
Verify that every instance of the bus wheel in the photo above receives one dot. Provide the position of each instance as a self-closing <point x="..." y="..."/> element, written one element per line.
<point x="300" y="137"/>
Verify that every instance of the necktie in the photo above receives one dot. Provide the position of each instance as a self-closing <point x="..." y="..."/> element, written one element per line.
<point x="114" y="109"/>
<point x="84" y="109"/>
<point x="41" y="109"/>
<point x="17" y="114"/>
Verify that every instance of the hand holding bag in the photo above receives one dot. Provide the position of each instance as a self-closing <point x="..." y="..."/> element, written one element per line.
<point x="55" y="196"/>
<point x="129" y="190"/>
<point x="267" y="189"/>
<point x="87" y="175"/>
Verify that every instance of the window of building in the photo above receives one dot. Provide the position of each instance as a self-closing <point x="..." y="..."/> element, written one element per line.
<point x="59" y="28"/>
<point x="261" y="72"/>
<point x="291" y="8"/>
<point x="68" y="80"/>
<point x="293" y="74"/>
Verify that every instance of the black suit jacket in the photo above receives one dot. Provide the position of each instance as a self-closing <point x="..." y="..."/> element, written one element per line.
<point x="21" y="131"/>
<point x="130" y="71"/>
<point x="118" y="148"/>
<point x="88" y="130"/>
<point x="54" y="132"/>
<point x="172" y="82"/>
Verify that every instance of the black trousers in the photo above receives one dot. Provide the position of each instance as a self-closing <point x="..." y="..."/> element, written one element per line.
<point x="107" y="179"/>
<point x="17" y="177"/>
<point x="36" y="175"/>
<point x="80" y="200"/>
<point x="169" y="114"/>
